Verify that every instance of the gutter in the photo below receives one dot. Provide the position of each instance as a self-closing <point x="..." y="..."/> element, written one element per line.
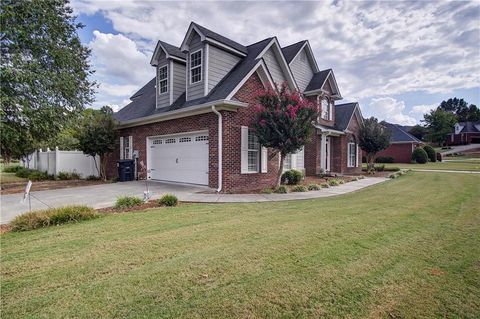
<point x="219" y="150"/>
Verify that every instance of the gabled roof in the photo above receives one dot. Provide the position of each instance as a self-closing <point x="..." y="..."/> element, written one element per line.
<point x="171" y="51"/>
<point x="470" y="127"/>
<point x="343" y="115"/>
<point x="318" y="80"/>
<point x="214" y="38"/>
<point x="291" y="50"/>
<point x="399" y="135"/>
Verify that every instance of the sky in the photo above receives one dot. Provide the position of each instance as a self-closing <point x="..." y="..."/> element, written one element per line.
<point x="398" y="59"/>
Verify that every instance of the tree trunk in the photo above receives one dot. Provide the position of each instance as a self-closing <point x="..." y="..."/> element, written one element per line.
<point x="371" y="164"/>
<point x="280" y="169"/>
<point x="96" y="166"/>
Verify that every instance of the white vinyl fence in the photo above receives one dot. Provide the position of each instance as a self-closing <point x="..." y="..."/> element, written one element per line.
<point x="57" y="161"/>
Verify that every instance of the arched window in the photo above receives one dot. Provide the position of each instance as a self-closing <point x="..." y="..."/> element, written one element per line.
<point x="352" y="152"/>
<point x="325" y="108"/>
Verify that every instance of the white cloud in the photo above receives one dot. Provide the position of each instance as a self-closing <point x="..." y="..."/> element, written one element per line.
<point x="390" y="110"/>
<point x="377" y="49"/>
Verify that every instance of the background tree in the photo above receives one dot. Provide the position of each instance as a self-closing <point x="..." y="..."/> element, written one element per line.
<point x="373" y="137"/>
<point x="44" y="71"/>
<point x="97" y="136"/>
<point x="418" y="131"/>
<point x="439" y="123"/>
<point x="460" y="108"/>
<point x="283" y="122"/>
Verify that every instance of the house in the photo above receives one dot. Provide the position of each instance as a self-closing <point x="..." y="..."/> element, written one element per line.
<point x="464" y="133"/>
<point x="402" y="144"/>
<point x="190" y="124"/>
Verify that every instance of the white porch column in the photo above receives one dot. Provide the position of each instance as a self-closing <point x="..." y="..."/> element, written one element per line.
<point x="323" y="153"/>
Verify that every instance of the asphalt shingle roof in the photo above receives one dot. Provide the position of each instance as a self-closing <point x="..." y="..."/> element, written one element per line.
<point x="317" y="80"/>
<point x="469" y="127"/>
<point x="173" y="50"/>
<point x="343" y="114"/>
<point x="220" y="38"/>
<point x="398" y="134"/>
<point x="290" y="51"/>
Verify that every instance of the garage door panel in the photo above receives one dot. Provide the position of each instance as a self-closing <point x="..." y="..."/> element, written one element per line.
<point x="181" y="158"/>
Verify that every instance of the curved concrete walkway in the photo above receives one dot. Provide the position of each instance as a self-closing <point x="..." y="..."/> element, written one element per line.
<point x="104" y="195"/>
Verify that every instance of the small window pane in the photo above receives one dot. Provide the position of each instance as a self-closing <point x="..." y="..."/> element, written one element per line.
<point x="196" y="74"/>
<point x="201" y="138"/>
<point x="185" y="139"/>
<point x="196" y="67"/>
<point x="170" y="141"/>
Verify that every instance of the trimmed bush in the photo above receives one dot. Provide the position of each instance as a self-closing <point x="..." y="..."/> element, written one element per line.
<point x="39" y="176"/>
<point x="324" y="185"/>
<point x="386" y="159"/>
<point x="391" y="169"/>
<point x="299" y="188"/>
<point x="419" y="156"/>
<point x="23" y="172"/>
<point x="51" y="217"/>
<point x="125" y="202"/>
<point x="282" y="189"/>
<point x="92" y="178"/>
<point x="333" y="182"/>
<point x="68" y="176"/>
<point x="379" y="168"/>
<point x="168" y="200"/>
<point x="292" y="177"/>
<point x="12" y="168"/>
<point x="432" y="155"/>
<point x="314" y="187"/>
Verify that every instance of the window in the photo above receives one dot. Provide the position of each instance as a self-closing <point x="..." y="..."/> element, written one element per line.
<point x="352" y="153"/>
<point x="185" y="139"/>
<point x="325" y="109"/>
<point x="157" y="141"/>
<point x="196" y="67"/>
<point x="170" y="141"/>
<point x="163" y="80"/>
<point x="201" y="138"/>
<point x="287" y="162"/>
<point x="253" y="152"/>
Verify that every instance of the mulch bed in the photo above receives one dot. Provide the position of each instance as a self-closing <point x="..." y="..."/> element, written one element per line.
<point x="19" y="187"/>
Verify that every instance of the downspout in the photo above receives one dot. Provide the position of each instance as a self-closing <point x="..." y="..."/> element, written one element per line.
<point x="219" y="149"/>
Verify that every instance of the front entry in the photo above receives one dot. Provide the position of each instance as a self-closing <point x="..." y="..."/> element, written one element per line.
<point x="325" y="153"/>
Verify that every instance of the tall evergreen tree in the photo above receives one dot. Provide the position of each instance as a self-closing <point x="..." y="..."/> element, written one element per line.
<point x="44" y="72"/>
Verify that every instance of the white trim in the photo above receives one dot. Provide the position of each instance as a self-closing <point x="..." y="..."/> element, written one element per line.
<point x="192" y="27"/>
<point x="166" y="79"/>
<point x="310" y="53"/>
<point x="198" y="66"/>
<point x="171" y="81"/>
<point x="186" y="77"/>
<point x="183" y="112"/>
<point x="130" y="147"/>
<point x="328" y="131"/>
<point x="224" y="46"/>
<point x="349" y="154"/>
<point x="205" y="87"/>
<point x="121" y="148"/>
<point x="178" y="134"/>
<point x="330" y="74"/>
<point x="154" y="61"/>
<point x="249" y="74"/>
<point x="220" y="146"/>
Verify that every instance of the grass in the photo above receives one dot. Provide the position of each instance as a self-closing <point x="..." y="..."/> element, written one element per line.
<point x="468" y="165"/>
<point x="9" y="177"/>
<point x="407" y="248"/>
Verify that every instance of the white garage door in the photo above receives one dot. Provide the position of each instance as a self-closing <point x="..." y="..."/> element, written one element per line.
<point x="179" y="158"/>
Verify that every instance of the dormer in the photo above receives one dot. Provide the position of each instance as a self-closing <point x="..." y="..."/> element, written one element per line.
<point x="301" y="60"/>
<point x="458" y="128"/>
<point x="170" y="64"/>
<point x="209" y="57"/>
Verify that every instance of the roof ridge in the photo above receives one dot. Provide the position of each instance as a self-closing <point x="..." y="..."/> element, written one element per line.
<point x="219" y="35"/>
<point x="287" y="46"/>
<point x="269" y="39"/>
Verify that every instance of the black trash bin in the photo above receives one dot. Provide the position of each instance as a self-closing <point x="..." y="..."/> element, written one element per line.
<point x="126" y="170"/>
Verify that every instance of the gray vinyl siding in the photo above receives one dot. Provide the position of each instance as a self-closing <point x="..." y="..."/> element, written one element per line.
<point x="274" y="67"/>
<point x="219" y="64"/>
<point x="196" y="90"/>
<point x="162" y="99"/>
<point x="302" y="70"/>
<point x="178" y="80"/>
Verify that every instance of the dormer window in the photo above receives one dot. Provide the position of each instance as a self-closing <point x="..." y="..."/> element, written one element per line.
<point x="196" y="67"/>
<point x="162" y="80"/>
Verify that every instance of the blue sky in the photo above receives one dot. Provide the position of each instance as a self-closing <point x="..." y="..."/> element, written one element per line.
<point x="398" y="59"/>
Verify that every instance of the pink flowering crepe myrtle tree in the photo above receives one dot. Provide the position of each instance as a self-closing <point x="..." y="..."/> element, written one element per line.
<point x="283" y="121"/>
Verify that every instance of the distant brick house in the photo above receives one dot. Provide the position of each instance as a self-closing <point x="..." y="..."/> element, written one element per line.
<point x="402" y="144"/>
<point x="190" y="124"/>
<point x="464" y="133"/>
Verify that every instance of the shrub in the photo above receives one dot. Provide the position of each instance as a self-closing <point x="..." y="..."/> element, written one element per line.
<point x="39" y="176"/>
<point x="341" y="181"/>
<point x="23" y="172"/>
<point x="432" y="155"/>
<point x="314" y="187"/>
<point x="393" y="176"/>
<point x="12" y="168"/>
<point x="292" y="177"/>
<point x="125" y="202"/>
<point x="419" y="156"/>
<point x="380" y="168"/>
<point x="299" y="188"/>
<point x="324" y="185"/>
<point x="391" y="169"/>
<point x="282" y="189"/>
<point x="68" y="175"/>
<point x="384" y="159"/>
<point x="52" y="216"/>
<point x="168" y="200"/>
<point x="333" y="182"/>
<point x="92" y="178"/>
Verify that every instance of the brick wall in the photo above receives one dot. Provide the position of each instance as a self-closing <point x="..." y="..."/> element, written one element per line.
<point x="462" y="138"/>
<point x="401" y="152"/>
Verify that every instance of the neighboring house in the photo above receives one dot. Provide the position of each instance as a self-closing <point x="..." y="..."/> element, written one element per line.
<point x="190" y="124"/>
<point x="464" y="133"/>
<point x="402" y="144"/>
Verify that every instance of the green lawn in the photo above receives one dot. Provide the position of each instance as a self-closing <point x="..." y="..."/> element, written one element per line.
<point x="457" y="165"/>
<point x="407" y="248"/>
<point x="9" y="177"/>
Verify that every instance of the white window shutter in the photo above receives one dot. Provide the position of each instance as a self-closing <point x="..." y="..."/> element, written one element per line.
<point x="358" y="155"/>
<point x="130" y="148"/>
<point x="264" y="160"/>
<point x="121" y="147"/>
<point x="244" y="150"/>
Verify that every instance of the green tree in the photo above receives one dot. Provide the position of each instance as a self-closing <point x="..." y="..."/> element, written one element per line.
<point x="44" y="71"/>
<point x="283" y="122"/>
<point x="418" y="131"/>
<point x="97" y="136"/>
<point x="439" y="123"/>
<point x="461" y="109"/>
<point x="373" y="137"/>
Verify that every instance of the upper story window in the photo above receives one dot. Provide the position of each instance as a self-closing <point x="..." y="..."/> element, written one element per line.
<point x="163" y="80"/>
<point x="196" y="67"/>
<point x="324" y="108"/>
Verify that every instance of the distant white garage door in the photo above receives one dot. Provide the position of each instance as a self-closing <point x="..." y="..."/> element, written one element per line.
<point x="179" y="158"/>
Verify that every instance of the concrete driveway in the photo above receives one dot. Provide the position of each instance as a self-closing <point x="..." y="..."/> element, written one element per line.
<point x="460" y="149"/>
<point x="97" y="196"/>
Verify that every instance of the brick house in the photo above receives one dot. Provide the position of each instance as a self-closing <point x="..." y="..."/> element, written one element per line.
<point x="402" y="144"/>
<point x="190" y="124"/>
<point x="464" y="133"/>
